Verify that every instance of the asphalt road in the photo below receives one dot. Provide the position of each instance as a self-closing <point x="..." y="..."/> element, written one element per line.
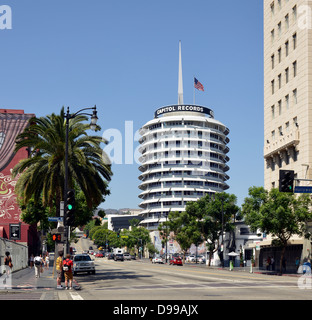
<point x="138" y="280"/>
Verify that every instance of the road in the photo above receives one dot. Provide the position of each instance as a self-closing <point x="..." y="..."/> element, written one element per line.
<point x="137" y="280"/>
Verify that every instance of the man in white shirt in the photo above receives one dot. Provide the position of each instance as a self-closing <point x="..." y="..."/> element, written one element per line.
<point x="38" y="265"/>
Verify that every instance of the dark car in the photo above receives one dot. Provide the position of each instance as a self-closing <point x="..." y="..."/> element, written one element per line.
<point x="119" y="256"/>
<point x="110" y="256"/>
<point x="176" y="261"/>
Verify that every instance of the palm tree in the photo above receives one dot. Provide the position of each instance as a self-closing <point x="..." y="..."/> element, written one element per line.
<point x="43" y="173"/>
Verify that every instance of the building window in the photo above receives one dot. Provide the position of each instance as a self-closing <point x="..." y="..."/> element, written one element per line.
<point x="272" y="36"/>
<point x="286" y="158"/>
<point x="273" y="111"/>
<point x="286" y="48"/>
<point x="272" y="86"/>
<point x="272" y="60"/>
<point x="273" y="135"/>
<point x="295" y="68"/>
<point x="287" y="101"/>
<point x="279" y="81"/>
<point x="272" y="9"/>
<point x="287" y="75"/>
<point x="286" y="22"/>
<point x="279" y="28"/>
<point x="294" y="41"/>
<point x="280" y="107"/>
<point x="287" y="126"/>
<point x="294" y="13"/>
<point x="279" y="55"/>
<point x="295" y="99"/>
<point x="295" y="122"/>
<point x="280" y="130"/>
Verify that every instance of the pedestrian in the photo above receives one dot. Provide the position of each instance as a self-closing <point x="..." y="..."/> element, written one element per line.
<point x="31" y="261"/>
<point x="47" y="261"/>
<point x="38" y="265"/>
<point x="297" y="263"/>
<point x="8" y="263"/>
<point x="59" y="270"/>
<point x="68" y="270"/>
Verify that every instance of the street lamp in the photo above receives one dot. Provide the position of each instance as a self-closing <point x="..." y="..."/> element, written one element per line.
<point x="69" y="116"/>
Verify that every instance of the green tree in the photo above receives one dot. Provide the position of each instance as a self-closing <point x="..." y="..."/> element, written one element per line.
<point x="280" y="214"/>
<point x="42" y="174"/>
<point x="216" y="215"/>
<point x="204" y="220"/>
<point x="184" y="227"/>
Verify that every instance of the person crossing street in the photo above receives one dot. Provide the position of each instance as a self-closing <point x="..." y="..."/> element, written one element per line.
<point x="68" y="270"/>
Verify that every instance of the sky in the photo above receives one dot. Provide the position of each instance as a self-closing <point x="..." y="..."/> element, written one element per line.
<point x="122" y="56"/>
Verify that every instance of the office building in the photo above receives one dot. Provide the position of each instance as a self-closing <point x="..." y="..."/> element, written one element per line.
<point x="184" y="157"/>
<point x="288" y="94"/>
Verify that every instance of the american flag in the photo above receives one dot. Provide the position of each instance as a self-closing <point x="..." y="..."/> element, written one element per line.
<point x="198" y="85"/>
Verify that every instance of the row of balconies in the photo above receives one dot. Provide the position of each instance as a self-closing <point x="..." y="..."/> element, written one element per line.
<point x="185" y="124"/>
<point x="194" y="156"/>
<point x="186" y="146"/>
<point x="220" y="168"/>
<point x="180" y="174"/>
<point x="184" y="137"/>
<point x="187" y="184"/>
<point x="174" y="135"/>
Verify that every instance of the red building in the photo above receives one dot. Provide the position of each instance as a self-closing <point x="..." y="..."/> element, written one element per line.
<point x="12" y="123"/>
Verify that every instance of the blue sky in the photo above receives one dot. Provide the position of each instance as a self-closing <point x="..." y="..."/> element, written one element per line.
<point x="123" y="57"/>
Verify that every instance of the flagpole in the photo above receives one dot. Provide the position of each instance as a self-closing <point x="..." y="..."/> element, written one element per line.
<point x="194" y="90"/>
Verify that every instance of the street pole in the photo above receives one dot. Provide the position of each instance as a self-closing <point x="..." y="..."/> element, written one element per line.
<point x="222" y="231"/>
<point x="94" y="119"/>
<point x="66" y="244"/>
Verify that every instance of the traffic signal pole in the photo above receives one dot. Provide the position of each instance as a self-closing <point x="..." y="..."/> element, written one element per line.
<point x="66" y="235"/>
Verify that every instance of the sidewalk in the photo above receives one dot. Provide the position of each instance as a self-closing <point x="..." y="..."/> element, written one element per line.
<point x="26" y="280"/>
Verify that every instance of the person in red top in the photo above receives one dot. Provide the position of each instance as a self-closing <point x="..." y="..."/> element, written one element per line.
<point x="68" y="271"/>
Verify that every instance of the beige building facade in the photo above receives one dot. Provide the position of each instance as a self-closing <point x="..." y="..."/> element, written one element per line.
<point x="288" y="92"/>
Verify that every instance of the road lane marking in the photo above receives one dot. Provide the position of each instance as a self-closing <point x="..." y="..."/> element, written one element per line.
<point x="76" y="296"/>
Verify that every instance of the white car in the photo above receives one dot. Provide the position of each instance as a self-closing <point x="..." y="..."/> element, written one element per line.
<point x="190" y="258"/>
<point x="157" y="260"/>
<point x="83" y="263"/>
<point x="127" y="256"/>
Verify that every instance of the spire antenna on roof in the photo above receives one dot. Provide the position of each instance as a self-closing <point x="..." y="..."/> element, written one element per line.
<point x="180" y="86"/>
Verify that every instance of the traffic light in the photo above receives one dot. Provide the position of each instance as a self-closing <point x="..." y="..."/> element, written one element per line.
<point x="118" y="233"/>
<point x="70" y="207"/>
<point x="57" y="237"/>
<point x="286" y="181"/>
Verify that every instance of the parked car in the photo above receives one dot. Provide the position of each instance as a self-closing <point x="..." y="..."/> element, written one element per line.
<point x="176" y="261"/>
<point x="83" y="263"/>
<point x="119" y="256"/>
<point x="190" y="258"/>
<point x="110" y="256"/>
<point x="127" y="256"/>
<point x="99" y="255"/>
<point x="157" y="259"/>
